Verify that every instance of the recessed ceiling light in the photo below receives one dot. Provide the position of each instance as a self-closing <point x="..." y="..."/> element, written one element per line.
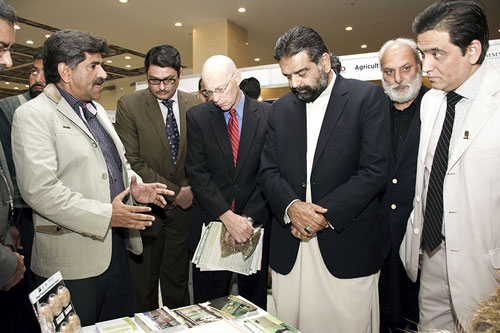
<point x="27" y="85"/>
<point x="364" y="46"/>
<point x="16" y="27"/>
<point x="16" y="88"/>
<point x="348" y="28"/>
<point x="30" y="42"/>
<point x="498" y="30"/>
<point x="7" y="82"/>
<point x="257" y="59"/>
<point x="178" y="24"/>
<point x="47" y="36"/>
<point x="123" y="1"/>
<point x="128" y="66"/>
<point x="246" y="43"/>
<point x="109" y="61"/>
<point x="242" y="9"/>
<point x="128" y="57"/>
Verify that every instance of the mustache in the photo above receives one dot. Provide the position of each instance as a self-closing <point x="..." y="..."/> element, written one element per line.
<point x="37" y="85"/>
<point x="400" y="85"/>
<point x="99" y="81"/>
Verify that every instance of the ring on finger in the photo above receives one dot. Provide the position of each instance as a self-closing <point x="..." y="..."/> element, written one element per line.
<point x="308" y="230"/>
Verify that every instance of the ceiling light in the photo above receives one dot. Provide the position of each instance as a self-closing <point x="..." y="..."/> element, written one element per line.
<point x="242" y="9"/>
<point x="27" y="85"/>
<point x="16" y="27"/>
<point x="109" y="61"/>
<point x="30" y="42"/>
<point x="348" y="28"/>
<point x="178" y="24"/>
<point x="257" y="59"/>
<point x="16" y="88"/>
<point x="47" y="36"/>
<point x="123" y="1"/>
<point x="128" y="66"/>
<point x="364" y="46"/>
<point x="7" y="82"/>
<point x="246" y="43"/>
<point x="128" y="57"/>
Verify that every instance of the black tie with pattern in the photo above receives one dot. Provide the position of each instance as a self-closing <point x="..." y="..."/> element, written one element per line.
<point x="433" y="215"/>
<point x="172" y="130"/>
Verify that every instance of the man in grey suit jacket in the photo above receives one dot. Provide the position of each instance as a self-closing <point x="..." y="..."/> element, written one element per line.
<point x="72" y="171"/>
<point x="455" y="218"/>
<point x="143" y="122"/>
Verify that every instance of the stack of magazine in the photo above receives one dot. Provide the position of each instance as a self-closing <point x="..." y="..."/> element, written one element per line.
<point x="214" y="254"/>
<point x="225" y="314"/>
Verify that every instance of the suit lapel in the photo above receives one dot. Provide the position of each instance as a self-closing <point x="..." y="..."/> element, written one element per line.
<point x="481" y="110"/>
<point x="250" y="121"/>
<point x="153" y="113"/>
<point x="219" y="127"/>
<point x="183" y="107"/>
<point x="336" y="105"/>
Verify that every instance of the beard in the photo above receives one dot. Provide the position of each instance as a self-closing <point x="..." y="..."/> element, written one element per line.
<point x="399" y="95"/>
<point x="33" y="92"/>
<point x="308" y="94"/>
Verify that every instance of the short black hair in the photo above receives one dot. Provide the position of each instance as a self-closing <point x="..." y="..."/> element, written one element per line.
<point x="69" y="47"/>
<point x="38" y="55"/>
<point x="251" y="87"/>
<point x="199" y="84"/>
<point x="464" y="20"/>
<point x="163" y="56"/>
<point x="7" y="13"/>
<point x="298" y="39"/>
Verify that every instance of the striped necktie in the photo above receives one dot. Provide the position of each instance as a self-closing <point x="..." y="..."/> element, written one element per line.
<point x="234" y="137"/>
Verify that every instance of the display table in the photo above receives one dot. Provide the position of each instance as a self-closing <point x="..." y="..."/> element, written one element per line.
<point x="223" y="325"/>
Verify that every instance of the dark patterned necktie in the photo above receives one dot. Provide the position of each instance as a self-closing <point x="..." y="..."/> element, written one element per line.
<point x="433" y="216"/>
<point x="234" y="137"/>
<point x="172" y="130"/>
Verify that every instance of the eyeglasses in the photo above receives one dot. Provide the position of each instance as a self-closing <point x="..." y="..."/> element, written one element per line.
<point x="204" y="92"/>
<point x="167" y="81"/>
<point x="210" y="93"/>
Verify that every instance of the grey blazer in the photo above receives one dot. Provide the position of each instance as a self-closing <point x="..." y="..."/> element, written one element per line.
<point x="8" y="260"/>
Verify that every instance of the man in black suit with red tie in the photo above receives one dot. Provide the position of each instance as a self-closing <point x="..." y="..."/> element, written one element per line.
<point x="225" y="137"/>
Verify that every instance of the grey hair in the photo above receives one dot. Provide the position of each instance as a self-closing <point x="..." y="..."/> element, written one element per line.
<point x="401" y="41"/>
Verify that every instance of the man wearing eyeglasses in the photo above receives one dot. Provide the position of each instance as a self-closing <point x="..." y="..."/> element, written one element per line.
<point x="152" y="126"/>
<point x="225" y="138"/>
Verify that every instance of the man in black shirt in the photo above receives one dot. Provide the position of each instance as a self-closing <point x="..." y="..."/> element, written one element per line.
<point x="402" y="81"/>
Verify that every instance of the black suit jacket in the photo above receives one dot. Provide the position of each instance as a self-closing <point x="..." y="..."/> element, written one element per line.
<point x="401" y="185"/>
<point x="210" y="167"/>
<point x="350" y="167"/>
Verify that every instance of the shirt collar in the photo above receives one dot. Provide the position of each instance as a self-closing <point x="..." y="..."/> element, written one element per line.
<point x="240" y="106"/>
<point x="75" y="103"/>
<point x="470" y="88"/>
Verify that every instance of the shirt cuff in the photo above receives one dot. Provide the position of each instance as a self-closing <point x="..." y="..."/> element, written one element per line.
<point x="286" y="218"/>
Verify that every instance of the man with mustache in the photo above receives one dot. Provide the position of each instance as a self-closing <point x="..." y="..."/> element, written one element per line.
<point x="323" y="166"/>
<point x="72" y="171"/>
<point x="152" y="126"/>
<point x="402" y="81"/>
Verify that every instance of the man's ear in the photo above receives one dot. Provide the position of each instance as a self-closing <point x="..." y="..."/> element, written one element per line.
<point x="326" y="62"/>
<point x="64" y="72"/>
<point x="474" y="50"/>
<point x="237" y="77"/>
<point x="180" y="73"/>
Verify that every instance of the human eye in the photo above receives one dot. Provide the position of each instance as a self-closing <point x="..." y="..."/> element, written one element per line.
<point x="170" y="80"/>
<point x="388" y="71"/>
<point x="405" y="68"/>
<point x="302" y="73"/>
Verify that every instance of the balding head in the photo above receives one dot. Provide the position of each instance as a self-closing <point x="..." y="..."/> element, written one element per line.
<point x="221" y="79"/>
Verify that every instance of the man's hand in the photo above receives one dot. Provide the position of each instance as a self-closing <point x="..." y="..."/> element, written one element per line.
<point x="239" y="228"/>
<point x="18" y="273"/>
<point x="185" y="197"/>
<point x="306" y="215"/>
<point x="16" y="236"/>
<point x="126" y="216"/>
<point x="149" y="193"/>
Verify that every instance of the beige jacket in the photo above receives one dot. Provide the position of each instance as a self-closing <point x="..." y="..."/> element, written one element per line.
<point x="62" y="175"/>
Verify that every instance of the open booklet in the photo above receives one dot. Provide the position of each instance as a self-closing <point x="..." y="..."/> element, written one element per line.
<point x="214" y="254"/>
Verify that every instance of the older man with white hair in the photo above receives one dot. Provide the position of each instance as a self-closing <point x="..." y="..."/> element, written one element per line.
<point x="402" y="80"/>
<point x="225" y="137"/>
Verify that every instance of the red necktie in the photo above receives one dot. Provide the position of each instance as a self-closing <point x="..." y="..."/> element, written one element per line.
<point x="234" y="137"/>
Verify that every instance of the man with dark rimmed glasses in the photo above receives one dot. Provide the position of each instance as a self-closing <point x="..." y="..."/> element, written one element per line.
<point x="152" y="126"/>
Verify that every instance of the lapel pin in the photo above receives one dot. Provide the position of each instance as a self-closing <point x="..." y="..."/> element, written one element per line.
<point x="466" y="135"/>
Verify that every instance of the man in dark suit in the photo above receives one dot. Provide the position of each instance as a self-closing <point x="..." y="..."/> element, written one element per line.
<point x="225" y="138"/>
<point x="402" y="80"/>
<point x="325" y="160"/>
<point x="152" y="126"/>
